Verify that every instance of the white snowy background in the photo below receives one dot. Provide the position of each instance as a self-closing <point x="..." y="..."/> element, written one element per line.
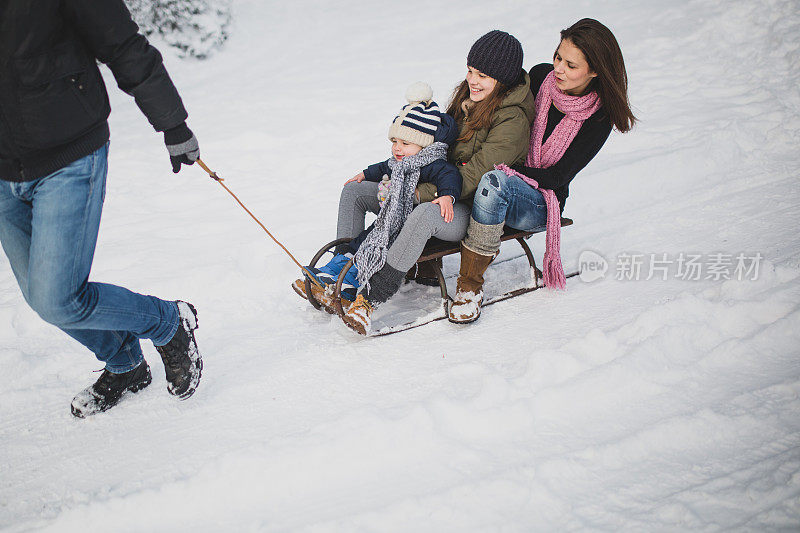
<point x="646" y="405"/>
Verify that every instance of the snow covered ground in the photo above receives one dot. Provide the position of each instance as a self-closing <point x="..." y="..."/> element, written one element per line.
<point x="621" y="404"/>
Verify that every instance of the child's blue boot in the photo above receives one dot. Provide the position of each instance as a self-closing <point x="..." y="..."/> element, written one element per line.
<point x="350" y="282"/>
<point x="328" y="273"/>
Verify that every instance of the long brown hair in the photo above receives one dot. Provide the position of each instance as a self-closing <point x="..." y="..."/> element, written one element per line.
<point x="604" y="56"/>
<point x="480" y="114"/>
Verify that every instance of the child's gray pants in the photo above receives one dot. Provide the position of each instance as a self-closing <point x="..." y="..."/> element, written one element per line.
<point x="424" y="222"/>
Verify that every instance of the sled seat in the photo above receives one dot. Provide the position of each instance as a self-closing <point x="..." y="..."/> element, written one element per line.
<point x="434" y="249"/>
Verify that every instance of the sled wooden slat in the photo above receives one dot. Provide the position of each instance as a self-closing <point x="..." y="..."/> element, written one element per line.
<point x="436" y="248"/>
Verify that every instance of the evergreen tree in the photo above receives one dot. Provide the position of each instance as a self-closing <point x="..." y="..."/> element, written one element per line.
<point x="195" y="27"/>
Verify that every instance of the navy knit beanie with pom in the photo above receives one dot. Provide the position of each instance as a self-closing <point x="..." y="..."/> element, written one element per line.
<point x="499" y="55"/>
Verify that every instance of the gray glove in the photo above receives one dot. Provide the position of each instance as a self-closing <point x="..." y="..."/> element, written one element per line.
<point x="182" y="146"/>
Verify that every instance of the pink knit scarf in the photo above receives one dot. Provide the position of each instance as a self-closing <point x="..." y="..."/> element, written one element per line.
<point x="576" y="109"/>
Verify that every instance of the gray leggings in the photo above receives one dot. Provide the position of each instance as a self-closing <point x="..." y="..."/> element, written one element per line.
<point x="424" y="222"/>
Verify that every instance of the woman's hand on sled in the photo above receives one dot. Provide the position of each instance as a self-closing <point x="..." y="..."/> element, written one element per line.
<point x="358" y="177"/>
<point x="445" y="207"/>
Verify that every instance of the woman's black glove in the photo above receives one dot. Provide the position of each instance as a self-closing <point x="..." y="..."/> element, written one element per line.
<point x="182" y="146"/>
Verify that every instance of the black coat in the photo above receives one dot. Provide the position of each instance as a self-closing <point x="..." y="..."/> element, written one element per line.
<point x="590" y="138"/>
<point x="53" y="102"/>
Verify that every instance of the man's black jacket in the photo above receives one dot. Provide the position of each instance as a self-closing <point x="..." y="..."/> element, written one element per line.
<point x="53" y="102"/>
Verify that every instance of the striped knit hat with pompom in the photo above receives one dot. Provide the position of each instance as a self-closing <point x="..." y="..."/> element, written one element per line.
<point x="417" y="121"/>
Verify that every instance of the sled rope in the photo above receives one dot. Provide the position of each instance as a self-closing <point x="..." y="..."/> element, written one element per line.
<point x="219" y="180"/>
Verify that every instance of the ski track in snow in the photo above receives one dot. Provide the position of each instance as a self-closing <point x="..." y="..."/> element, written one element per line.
<point x="616" y="405"/>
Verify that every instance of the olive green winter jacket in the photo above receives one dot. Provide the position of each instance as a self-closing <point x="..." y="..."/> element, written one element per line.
<point x="505" y="141"/>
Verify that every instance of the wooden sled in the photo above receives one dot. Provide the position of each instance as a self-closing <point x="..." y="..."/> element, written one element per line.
<point x="435" y="249"/>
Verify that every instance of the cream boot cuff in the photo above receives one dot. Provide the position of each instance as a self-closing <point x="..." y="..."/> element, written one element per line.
<point x="483" y="239"/>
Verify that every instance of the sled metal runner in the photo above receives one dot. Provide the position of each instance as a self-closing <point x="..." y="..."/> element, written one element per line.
<point x="499" y="298"/>
<point x="434" y="250"/>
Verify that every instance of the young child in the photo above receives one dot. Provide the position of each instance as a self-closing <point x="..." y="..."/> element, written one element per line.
<point x="420" y="136"/>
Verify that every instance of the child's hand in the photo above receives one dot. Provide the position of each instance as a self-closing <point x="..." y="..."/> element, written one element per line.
<point x="358" y="177"/>
<point x="445" y="206"/>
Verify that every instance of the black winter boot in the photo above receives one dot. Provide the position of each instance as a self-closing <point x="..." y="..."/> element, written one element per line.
<point x="182" y="361"/>
<point x="424" y="273"/>
<point x="109" y="389"/>
<point x="384" y="284"/>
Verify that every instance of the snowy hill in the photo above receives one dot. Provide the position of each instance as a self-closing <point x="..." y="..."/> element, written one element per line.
<point x="626" y="403"/>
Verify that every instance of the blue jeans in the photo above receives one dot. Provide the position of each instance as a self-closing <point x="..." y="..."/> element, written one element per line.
<point x="502" y="198"/>
<point x="48" y="229"/>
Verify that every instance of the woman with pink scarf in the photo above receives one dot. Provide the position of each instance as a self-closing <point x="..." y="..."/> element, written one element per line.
<point x="579" y="99"/>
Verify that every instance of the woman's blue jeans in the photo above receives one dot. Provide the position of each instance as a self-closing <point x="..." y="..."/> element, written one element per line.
<point x="48" y="229"/>
<point x="502" y="198"/>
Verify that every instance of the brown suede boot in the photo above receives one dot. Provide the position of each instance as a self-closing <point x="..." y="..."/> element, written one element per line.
<point x="359" y="315"/>
<point x="466" y="306"/>
<point x="323" y="296"/>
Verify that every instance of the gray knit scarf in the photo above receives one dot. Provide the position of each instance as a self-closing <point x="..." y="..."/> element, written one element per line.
<point x="371" y="255"/>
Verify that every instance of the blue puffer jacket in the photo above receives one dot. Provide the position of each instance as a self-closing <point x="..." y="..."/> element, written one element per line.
<point x="445" y="176"/>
